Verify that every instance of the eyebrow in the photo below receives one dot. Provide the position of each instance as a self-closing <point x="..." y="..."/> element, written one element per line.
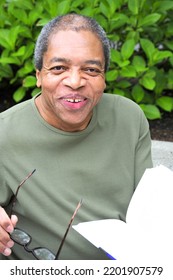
<point x="58" y="59"/>
<point x="94" y="61"/>
<point x="65" y="60"/>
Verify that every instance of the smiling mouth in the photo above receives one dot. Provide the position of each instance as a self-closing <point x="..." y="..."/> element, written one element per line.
<point x="74" y="100"/>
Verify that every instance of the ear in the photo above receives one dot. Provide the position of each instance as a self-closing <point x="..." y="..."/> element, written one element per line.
<point x="38" y="77"/>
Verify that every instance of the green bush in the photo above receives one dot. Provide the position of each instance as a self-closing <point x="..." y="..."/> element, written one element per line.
<point x="140" y="32"/>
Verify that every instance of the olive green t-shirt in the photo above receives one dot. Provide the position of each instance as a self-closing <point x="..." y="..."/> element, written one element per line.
<point x="101" y="164"/>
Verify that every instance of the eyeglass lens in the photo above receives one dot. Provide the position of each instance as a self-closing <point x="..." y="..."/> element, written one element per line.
<point x="24" y="239"/>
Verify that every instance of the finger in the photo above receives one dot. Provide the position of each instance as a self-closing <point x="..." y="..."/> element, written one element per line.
<point x="5" y="249"/>
<point x="5" y="242"/>
<point x="14" y="220"/>
<point x="5" y="221"/>
<point x="6" y="226"/>
<point x="6" y="252"/>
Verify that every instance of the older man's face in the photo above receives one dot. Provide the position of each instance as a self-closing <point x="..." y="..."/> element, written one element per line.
<point x="72" y="79"/>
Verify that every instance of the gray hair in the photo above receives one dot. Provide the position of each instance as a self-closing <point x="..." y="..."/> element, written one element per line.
<point x="73" y="22"/>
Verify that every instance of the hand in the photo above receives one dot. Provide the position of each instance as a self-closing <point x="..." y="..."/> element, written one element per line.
<point x="6" y="226"/>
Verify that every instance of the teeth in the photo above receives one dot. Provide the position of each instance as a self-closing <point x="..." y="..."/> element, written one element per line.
<point x="73" y="100"/>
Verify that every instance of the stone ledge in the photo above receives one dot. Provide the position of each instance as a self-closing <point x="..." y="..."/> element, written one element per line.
<point x="162" y="153"/>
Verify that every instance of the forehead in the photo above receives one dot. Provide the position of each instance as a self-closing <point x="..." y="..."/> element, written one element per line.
<point x="75" y="44"/>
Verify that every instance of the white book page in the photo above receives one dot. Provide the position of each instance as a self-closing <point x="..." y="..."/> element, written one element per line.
<point x="105" y="234"/>
<point x="152" y="202"/>
<point x="148" y="232"/>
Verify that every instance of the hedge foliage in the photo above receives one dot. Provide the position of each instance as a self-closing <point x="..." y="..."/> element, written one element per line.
<point x="141" y="36"/>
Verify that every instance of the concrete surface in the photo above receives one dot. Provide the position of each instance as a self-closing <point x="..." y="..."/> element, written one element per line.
<point x="162" y="153"/>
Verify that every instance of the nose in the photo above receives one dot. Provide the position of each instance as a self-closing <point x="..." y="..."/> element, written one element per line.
<point x="74" y="79"/>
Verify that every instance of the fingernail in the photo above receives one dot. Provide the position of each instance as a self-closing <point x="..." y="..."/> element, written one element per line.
<point x="10" y="244"/>
<point x="14" y="218"/>
<point x="9" y="229"/>
<point x="7" y="252"/>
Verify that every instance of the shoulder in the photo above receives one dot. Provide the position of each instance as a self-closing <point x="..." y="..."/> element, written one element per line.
<point x="119" y="105"/>
<point x="13" y="118"/>
<point x="15" y="111"/>
<point x="119" y="112"/>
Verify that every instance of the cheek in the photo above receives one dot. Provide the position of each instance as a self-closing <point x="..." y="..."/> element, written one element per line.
<point x="47" y="81"/>
<point x="49" y="84"/>
<point x="98" y="91"/>
<point x="99" y="87"/>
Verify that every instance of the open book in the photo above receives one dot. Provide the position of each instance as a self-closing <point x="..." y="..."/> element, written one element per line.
<point x="148" y="231"/>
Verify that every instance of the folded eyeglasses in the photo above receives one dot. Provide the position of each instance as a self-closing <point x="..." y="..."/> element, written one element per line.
<point x="24" y="239"/>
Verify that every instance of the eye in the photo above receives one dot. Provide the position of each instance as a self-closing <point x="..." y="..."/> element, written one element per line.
<point x="92" y="71"/>
<point x="58" y="69"/>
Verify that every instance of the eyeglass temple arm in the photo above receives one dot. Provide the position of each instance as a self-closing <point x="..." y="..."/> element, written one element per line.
<point x="67" y="230"/>
<point x="13" y="202"/>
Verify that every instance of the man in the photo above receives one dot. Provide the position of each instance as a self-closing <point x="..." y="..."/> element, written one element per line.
<point x="83" y="144"/>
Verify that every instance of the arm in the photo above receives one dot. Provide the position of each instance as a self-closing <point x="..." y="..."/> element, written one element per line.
<point x="143" y="158"/>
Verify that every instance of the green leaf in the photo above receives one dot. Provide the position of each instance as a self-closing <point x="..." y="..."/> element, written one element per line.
<point x="6" y="71"/>
<point x="115" y="56"/>
<point x="105" y="10"/>
<point x="128" y="49"/>
<point x="149" y="20"/>
<point x="139" y="64"/>
<point x="169" y="44"/>
<point x="161" y="55"/>
<point x="151" y="111"/>
<point x="28" y="51"/>
<point x="26" y="32"/>
<point x="162" y="6"/>
<point x="141" y="4"/>
<point x="13" y="34"/>
<point x="123" y="84"/>
<point x="147" y="82"/>
<point x="148" y="47"/>
<point x="35" y="14"/>
<point x="88" y="11"/>
<point x="111" y="75"/>
<point x="133" y="6"/>
<point x="29" y="81"/>
<point x="19" y="94"/>
<point x="22" y="4"/>
<point x="76" y="3"/>
<point x="165" y="102"/>
<point x="128" y="72"/>
<point x="161" y="81"/>
<point x="63" y="7"/>
<point x="51" y="8"/>
<point x="114" y="5"/>
<point x="170" y="79"/>
<point x="138" y="93"/>
<point x="35" y="91"/>
<point x="119" y="91"/>
<point x="117" y="21"/>
<point x="4" y="39"/>
<point x="26" y="69"/>
<point x="10" y="60"/>
<point x="20" y="51"/>
<point x="20" y="14"/>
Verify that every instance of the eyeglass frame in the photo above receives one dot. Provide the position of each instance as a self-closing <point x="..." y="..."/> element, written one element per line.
<point x="13" y="202"/>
